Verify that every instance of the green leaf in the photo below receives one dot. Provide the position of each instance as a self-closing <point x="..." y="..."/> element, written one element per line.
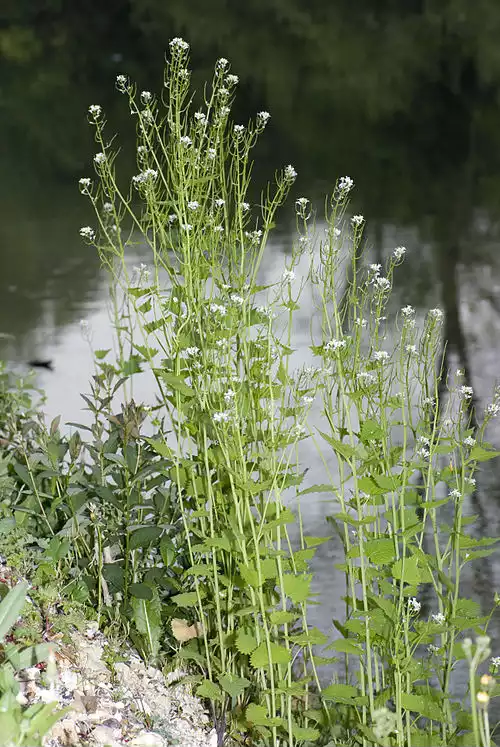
<point x="160" y="447"/>
<point x="233" y="685"/>
<point x="297" y="587"/>
<point x="345" y="646"/>
<point x="144" y="537"/>
<point x="188" y="599"/>
<point x="176" y="383"/>
<point x="147" y="619"/>
<point x="260" y="657"/>
<point x="345" y="450"/>
<point x="406" y="569"/>
<point x="480" y="454"/>
<point x="256" y="714"/>
<point x="249" y="575"/>
<point x="424" y="705"/>
<point x="339" y="692"/>
<point x="380" y="551"/>
<point x="245" y="642"/>
<point x="11" y="607"/>
<point x="317" y="489"/>
<point x="368" y="485"/>
<point x="280" y="617"/>
<point x="370" y="430"/>
<point x="141" y="591"/>
<point x="312" y="636"/>
<point x="210" y="690"/>
<point x="100" y="354"/>
<point x="305" y="733"/>
<point x="315" y="541"/>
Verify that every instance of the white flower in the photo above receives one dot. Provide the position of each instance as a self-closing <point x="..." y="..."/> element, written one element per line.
<point x="99" y="159"/>
<point x="375" y="269"/>
<point x="288" y="276"/>
<point x="224" y="111"/>
<point x="222" y="63"/>
<point x="121" y="83"/>
<point x="245" y="206"/>
<point x="290" y="173"/>
<point x="307" y="400"/>
<point x="432" y="649"/>
<point x="193" y="205"/>
<point x="200" y="117"/>
<point x="108" y="207"/>
<point x="86" y="232"/>
<point x="383" y="284"/>
<point x="495" y="661"/>
<point x="186" y="141"/>
<point x="438" y="618"/>
<point x="366" y="377"/>
<point x="221" y="417"/>
<point x="456" y="494"/>
<point x="471" y="481"/>
<point x="336" y="345"/>
<point x="411" y="350"/>
<point x="146" y="97"/>
<point x="429" y="402"/>
<point x="414" y="605"/>
<point x="229" y="397"/>
<point x="145" y="177"/>
<point x="423" y="453"/>
<point x="381" y="356"/>
<point x="408" y="311"/>
<point x="219" y="202"/>
<point x="424" y="440"/>
<point x="95" y="111"/>
<point x="357" y="220"/>
<point x="493" y="410"/>
<point x="297" y="431"/>
<point x="232" y="80"/>
<point x="212" y="153"/>
<point x="142" y="151"/>
<point x="239" y="129"/>
<point x="469" y="441"/>
<point x="235" y="298"/>
<point x="172" y="218"/>
<point x="219" y="229"/>
<point x="345" y="184"/>
<point x="217" y="308"/>
<point x="336" y="232"/>
<point x="263" y="118"/>
<point x="466" y="392"/>
<point x="178" y="44"/>
<point x="399" y="253"/>
<point x="85" y="184"/>
<point x="186" y="227"/>
<point x="223" y="92"/>
<point x="436" y="314"/>
<point x="192" y="351"/>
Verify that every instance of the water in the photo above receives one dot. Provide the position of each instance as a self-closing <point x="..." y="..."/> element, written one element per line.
<point x="418" y="132"/>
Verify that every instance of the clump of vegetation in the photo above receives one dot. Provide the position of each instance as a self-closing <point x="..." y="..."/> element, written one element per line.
<point x="183" y="537"/>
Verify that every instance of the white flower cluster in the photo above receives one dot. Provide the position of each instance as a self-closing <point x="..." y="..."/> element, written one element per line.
<point x="186" y="141"/>
<point x="245" y="206"/>
<point x="408" y="311"/>
<point x="178" y="44"/>
<point x="122" y="83"/>
<point x="335" y="345"/>
<point x="239" y="129"/>
<point x="492" y="410"/>
<point x="365" y="377"/>
<point x="466" y="392"/>
<point x="200" y="117"/>
<point x="436" y="314"/>
<point x="212" y="153"/>
<point x="345" y="184"/>
<point x="88" y="233"/>
<point x="414" y="606"/>
<point x="145" y="178"/>
<point x="290" y="173"/>
<point x="85" y="185"/>
<point x="100" y="159"/>
<point x="193" y="205"/>
<point x="146" y="97"/>
<point x="382" y="284"/>
<point x="222" y="417"/>
<point x="357" y="220"/>
<point x="222" y="63"/>
<point x="263" y="118"/>
<point x="381" y="356"/>
<point x="399" y="253"/>
<point x="288" y="276"/>
<point x="217" y="308"/>
<point x="438" y="618"/>
<point x="455" y="494"/>
<point x="95" y="112"/>
<point x="469" y="441"/>
<point x="232" y="80"/>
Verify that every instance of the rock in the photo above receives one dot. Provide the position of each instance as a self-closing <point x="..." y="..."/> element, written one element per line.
<point x="148" y="739"/>
<point x="65" y="733"/>
<point x="104" y="735"/>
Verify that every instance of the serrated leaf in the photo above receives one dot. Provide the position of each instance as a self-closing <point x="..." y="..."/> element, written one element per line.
<point x="297" y="588"/>
<point x="370" y="430"/>
<point x="233" y="685"/>
<point x="210" y="690"/>
<point x="313" y="636"/>
<point x="245" y="642"/>
<point x="303" y="733"/>
<point x="339" y="692"/>
<point x="188" y="599"/>
<point x="480" y="454"/>
<point x="345" y="646"/>
<point x="380" y="551"/>
<point x="160" y="447"/>
<point x="407" y="572"/>
<point x="424" y="705"/>
<point x="280" y="617"/>
<point x="144" y="537"/>
<point x="260" y="657"/>
<point x="345" y="450"/>
<point x="256" y="714"/>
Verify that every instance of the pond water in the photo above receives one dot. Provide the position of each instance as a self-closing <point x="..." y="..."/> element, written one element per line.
<point x="423" y="151"/>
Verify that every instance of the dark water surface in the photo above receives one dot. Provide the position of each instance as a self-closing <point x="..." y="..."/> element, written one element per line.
<point x="403" y="97"/>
